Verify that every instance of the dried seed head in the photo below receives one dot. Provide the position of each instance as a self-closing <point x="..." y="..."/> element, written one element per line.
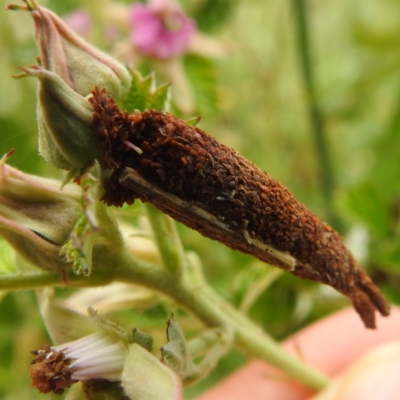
<point x="211" y="188"/>
<point x="96" y="356"/>
<point x="50" y="371"/>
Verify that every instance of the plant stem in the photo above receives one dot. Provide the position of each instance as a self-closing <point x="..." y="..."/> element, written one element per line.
<point x="259" y="287"/>
<point x="36" y="280"/>
<point x="317" y="121"/>
<point x="213" y="311"/>
<point x="167" y="239"/>
<point x="192" y="293"/>
<point x="254" y="340"/>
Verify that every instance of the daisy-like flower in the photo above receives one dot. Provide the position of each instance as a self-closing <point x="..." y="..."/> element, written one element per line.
<point x="105" y="356"/>
<point x="160" y="29"/>
<point x="96" y="356"/>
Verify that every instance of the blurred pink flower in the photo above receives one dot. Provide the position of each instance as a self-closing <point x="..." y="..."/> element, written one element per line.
<point x="80" y="21"/>
<point x="160" y="29"/>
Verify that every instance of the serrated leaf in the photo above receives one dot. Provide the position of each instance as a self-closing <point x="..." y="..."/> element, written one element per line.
<point x="137" y="96"/>
<point x="159" y="98"/>
<point x="143" y="95"/>
<point x="193" y="121"/>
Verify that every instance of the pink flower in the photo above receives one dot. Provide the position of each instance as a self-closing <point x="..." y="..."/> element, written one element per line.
<point x="79" y="21"/>
<point x="160" y="29"/>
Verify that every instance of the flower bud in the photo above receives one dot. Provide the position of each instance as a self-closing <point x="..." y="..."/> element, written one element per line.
<point x="35" y="216"/>
<point x="66" y="138"/>
<point x="80" y="65"/>
<point x="144" y="377"/>
<point x="69" y="69"/>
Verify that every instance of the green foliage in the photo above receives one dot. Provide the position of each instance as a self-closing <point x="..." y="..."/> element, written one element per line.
<point x="193" y="121"/>
<point x="63" y="7"/>
<point x="7" y="256"/>
<point x="368" y="204"/>
<point x="210" y="15"/>
<point x="202" y="74"/>
<point x="143" y="95"/>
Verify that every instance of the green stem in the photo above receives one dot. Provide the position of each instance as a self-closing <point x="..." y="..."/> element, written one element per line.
<point x="192" y="293"/>
<point x="317" y="121"/>
<point x="213" y="311"/>
<point x="167" y="239"/>
<point x="36" y="280"/>
<point x="259" y="287"/>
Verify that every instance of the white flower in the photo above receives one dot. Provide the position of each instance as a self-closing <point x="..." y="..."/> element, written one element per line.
<point x="96" y="356"/>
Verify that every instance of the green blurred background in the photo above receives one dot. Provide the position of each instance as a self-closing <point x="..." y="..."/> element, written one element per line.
<point x="255" y="100"/>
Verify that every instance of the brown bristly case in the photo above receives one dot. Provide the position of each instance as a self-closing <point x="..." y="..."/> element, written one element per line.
<point x="156" y="157"/>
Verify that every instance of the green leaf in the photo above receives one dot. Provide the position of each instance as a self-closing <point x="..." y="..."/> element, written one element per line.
<point x="136" y="98"/>
<point x="202" y="74"/>
<point x="368" y="204"/>
<point x="386" y="254"/>
<point x="193" y="121"/>
<point x="159" y="98"/>
<point x="213" y="13"/>
<point x="143" y="95"/>
<point x="376" y="39"/>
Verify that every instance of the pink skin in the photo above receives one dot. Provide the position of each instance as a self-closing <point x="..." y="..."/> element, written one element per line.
<point x="160" y="29"/>
<point x="331" y="346"/>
